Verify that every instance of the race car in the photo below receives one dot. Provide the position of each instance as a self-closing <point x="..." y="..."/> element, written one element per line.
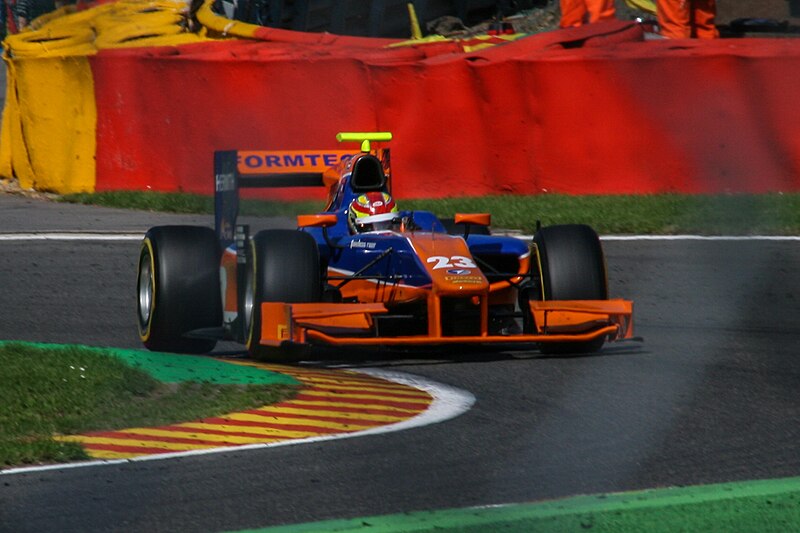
<point x="363" y="272"/>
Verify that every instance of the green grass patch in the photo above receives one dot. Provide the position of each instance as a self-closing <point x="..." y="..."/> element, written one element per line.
<point x="46" y="391"/>
<point x="762" y="506"/>
<point x="763" y="214"/>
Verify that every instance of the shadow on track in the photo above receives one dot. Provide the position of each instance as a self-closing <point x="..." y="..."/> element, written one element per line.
<point x="358" y="357"/>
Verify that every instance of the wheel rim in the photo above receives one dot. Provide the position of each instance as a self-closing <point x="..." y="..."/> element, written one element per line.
<point x="146" y="287"/>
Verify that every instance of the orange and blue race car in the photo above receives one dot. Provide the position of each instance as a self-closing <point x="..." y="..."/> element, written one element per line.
<point x="362" y="272"/>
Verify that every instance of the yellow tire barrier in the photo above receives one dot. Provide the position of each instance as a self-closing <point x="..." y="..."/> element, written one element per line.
<point x="162" y="40"/>
<point x="47" y="140"/>
<point x="223" y="27"/>
<point x="32" y="43"/>
<point x="42" y="20"/>
<point x="131" y="35"/>
<point x="127" y="23"/>
<point x="113" y="21"/>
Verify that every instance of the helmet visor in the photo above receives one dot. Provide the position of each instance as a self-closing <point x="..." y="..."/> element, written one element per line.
<point x="380" y="222"/>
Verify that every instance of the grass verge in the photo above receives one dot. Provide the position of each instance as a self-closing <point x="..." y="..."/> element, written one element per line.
<point x="761" y="506"/>
<point x="763" y="214"/>
<point x="66" y="390"/>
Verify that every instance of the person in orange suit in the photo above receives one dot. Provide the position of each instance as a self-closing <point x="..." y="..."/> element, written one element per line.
<point x="686" y="19"/>
<point x="575" y="13"/>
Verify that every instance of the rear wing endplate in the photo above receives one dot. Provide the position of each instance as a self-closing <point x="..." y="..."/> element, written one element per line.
<point x="235" y="169"/>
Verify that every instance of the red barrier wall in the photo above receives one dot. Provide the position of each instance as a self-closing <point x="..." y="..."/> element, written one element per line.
<point x="590" y="110"/>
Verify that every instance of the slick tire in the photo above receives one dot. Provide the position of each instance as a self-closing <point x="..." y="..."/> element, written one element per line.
<point x="573" y="268"/>
<point x="178" y="288"/>
<point x="284" y="266"/>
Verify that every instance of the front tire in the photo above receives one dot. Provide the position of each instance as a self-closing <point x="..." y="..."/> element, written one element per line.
<point x="284" y="266"/>
<point x="572" y="268"/>
<point x="178" y="288"/>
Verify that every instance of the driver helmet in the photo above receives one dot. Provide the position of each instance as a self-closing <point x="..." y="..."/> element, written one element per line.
<point x="371" y="211"/>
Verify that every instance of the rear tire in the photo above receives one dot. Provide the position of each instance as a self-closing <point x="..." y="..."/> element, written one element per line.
<point x="573" y="268"/>
<point x="284" y="266"/>
<point x="178" y="288"/>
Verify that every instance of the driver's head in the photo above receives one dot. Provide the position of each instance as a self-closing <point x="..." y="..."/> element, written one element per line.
<point x="371" y="211"/>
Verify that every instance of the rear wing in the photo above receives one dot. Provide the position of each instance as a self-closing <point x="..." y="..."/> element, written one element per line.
<point x="235" y="169"/>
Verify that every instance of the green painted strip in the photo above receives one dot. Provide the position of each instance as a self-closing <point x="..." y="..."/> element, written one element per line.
<point x="754" y="506"/>
<point x="172" y="368"/>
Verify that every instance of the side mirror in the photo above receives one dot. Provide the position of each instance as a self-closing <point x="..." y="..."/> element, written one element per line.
<point x="324" y="220"/>
<point x="477" y="219"/>
<point x="473" y="219"/>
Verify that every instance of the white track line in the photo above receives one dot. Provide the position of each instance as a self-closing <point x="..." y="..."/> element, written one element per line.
<point x="90" y="236"/>
<point x="700" y="238"/>
<point x="448" y="402"/>
<point x="71" y="236"/>
<point x="685" y="237"/>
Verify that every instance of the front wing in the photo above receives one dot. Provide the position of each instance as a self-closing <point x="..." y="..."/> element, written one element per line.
<point x="336" y="324"/>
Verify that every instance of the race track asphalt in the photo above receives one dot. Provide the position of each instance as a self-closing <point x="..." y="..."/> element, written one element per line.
<point x="710" y="396"/>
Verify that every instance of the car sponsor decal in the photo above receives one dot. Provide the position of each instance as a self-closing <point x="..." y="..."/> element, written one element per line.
<point x="466" y="280"/>
<point x="362" y="244"/>
<point x="275" y="162"/>
<point x="225" y="182"/>
<point x="460" y="261"/>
